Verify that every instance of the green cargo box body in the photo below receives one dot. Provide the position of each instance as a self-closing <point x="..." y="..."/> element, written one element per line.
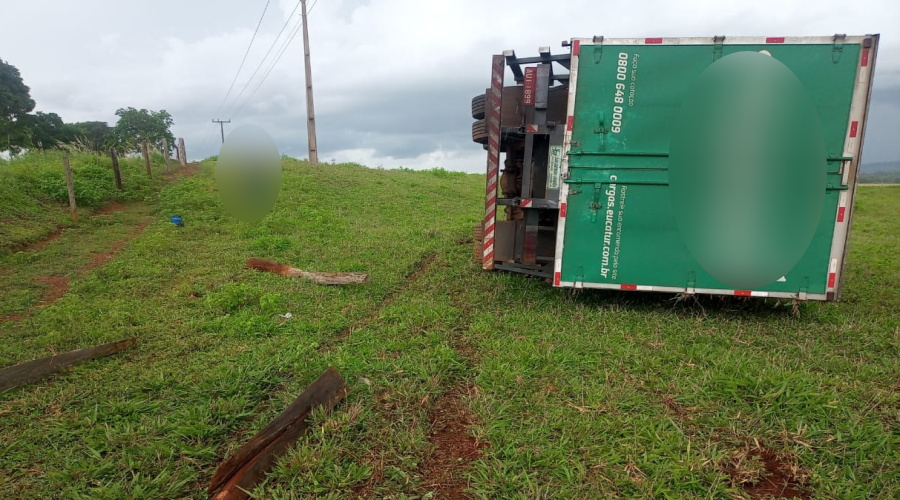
<point x="637" y="246"/>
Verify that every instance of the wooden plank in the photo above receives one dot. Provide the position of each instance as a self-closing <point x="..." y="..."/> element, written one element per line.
<point x="32" y="371"/>
<point x="70" y="187"/>
<point x="145" y="150"/>
<point x="182" y="153"/>
<point x="317" y="277"/>
<point x="166" y="152"/>
<point x="115" y="165"/>
<point x="245" y="468"/>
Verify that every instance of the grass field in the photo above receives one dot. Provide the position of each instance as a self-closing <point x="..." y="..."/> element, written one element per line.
<point x="594" y="395"/>
<point x="34" y="199"/>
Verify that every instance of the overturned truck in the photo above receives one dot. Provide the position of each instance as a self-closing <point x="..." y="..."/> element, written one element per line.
<point x="567" y="129"/>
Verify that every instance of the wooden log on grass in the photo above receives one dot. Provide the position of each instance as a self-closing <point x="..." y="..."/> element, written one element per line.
<point x="32" y="371"/>
<point x="317" y="277"/>
<point x="248" y="466"/>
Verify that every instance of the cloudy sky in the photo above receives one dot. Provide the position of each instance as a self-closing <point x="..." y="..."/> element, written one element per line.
<point x="393" y="78"/>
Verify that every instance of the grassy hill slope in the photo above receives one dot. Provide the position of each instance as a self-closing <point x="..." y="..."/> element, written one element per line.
<point x="34" y="200"/>
<point x="588" y="395"/>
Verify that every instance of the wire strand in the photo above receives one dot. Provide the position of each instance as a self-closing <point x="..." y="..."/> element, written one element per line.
<point x="281" y="53"/>
<point x="244" y="59"/>
<point x="265" y="57"/>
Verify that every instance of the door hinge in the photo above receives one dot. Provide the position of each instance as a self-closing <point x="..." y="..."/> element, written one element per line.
<point x="598" y="49"/>
<point x="601" y="124"/>
<point x="717" y="47"/>
<point x="838" y="49"/>
<point x="595" y="202"/>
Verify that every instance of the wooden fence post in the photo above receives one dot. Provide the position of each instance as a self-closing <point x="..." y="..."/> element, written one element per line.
<point x="115" y="164"/>
<point x="145" y="149"/>
<point x="166" y="152"/>
<point x="182" y="152"/>
<point x="70" y="186"/>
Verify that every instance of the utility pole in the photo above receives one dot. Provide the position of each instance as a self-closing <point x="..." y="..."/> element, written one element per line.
<point x="222" y="127"/>
<point x="310" y="109"/>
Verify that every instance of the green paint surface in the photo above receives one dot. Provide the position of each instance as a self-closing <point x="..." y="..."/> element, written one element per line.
<point x="620" y="157"/>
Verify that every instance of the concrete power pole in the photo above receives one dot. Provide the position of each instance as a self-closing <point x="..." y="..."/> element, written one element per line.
<point x="222" y="127"/>
<point x="310" y="108"/>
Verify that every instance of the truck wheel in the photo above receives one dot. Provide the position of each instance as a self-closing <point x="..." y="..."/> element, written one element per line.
<point x="480" y="132"/>
<point x="479" y="105"/>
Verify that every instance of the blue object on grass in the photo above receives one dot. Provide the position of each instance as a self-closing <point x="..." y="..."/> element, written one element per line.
<point x="176" y="219"/>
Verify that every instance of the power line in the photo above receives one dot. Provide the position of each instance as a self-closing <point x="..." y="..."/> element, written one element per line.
<point x="244" y="59"/>
<point x="222" y="127"/>
<point x="281" y="52"/>
<point x="311" y="7"/>
<point x="274" y="42"/>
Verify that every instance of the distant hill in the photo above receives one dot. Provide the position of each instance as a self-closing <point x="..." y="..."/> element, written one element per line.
<point x="885" y="166"/>
<point x="886" y="172"/>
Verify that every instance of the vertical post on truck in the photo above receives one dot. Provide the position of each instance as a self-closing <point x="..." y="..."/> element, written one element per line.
<point x="492" y="118"/>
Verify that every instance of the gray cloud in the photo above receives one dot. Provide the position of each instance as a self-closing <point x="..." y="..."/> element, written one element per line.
<point x="393" y="78"/>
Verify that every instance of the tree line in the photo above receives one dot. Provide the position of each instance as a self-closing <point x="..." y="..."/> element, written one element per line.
<point x="21" y="129"/>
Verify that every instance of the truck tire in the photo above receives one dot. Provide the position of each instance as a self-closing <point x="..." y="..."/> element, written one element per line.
<point x="480" y="132"/>
<point x="479" y="106"/>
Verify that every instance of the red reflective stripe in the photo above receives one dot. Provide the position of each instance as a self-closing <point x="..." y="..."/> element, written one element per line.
<point x="629" y="287"/>
<point x="841" y="212"/>
<point x="775" y="39"/>
<point x="854" y="128"/>
<point x="562" y="209"/>
<point x="556" y="279"/>
<point x="576" y="47"/>
<point x="653" y="40"/>
<point x="570" y="122"/>
<point x="743" y="293"/>
<point x="832" y="278"/>
<point x="865" y="57"/>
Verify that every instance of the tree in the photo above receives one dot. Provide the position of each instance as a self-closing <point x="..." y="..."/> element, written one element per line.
<point x="135" y="126"/>
<point x="47" y="130"/>
<point x="93" y="135"/>
<point x="15" y="104"/>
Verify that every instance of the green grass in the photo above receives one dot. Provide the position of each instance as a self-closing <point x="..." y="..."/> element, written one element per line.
<point x="34" y="200"/>
<point x="592" y="395"/>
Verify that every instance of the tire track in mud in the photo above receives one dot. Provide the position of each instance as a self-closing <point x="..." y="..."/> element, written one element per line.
<point x="58" y="286"/>
<point x="453" y="447"/>
<point x="421" y="267"/>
